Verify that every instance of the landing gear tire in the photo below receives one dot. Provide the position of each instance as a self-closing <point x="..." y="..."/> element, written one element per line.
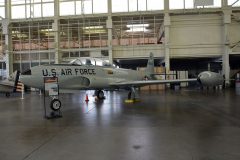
<point x="55" y="104"/>
<point x="100" y="94"/>
<point x="7" y="95"/>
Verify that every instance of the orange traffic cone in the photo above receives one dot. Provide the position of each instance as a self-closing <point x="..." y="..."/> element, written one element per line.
<point x="86" y="98"/>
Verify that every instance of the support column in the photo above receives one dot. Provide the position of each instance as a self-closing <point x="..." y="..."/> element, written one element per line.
<point x="58" y="55"/>
<point x="109" y="28"/>
<point x="8" y="47"/>
<point x="167" y="49"/>
<point x="227" y="50"/>
<point x="166" y="6"/>
<point x="224" y="3"/>
<point x="55" y="27"/>
<point x="8" y="38"/>
<point x="167" y="23"/>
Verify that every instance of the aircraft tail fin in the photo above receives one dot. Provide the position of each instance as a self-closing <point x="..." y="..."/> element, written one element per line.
<point x="149" y="73"/>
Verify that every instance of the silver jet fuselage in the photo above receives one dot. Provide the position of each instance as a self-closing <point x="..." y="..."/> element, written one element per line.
<point x="79" y="77"/>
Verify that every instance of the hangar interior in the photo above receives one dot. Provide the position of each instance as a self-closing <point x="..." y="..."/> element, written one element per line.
<point x="188" y="36"/>
<point x="35" y="32"/>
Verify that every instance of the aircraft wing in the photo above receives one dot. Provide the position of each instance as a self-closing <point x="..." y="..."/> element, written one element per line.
<point x="150" y="82"/>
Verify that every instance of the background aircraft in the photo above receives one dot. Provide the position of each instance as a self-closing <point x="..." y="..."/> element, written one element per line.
<point x="9" y="85"/>
<point x="77" y="76"/>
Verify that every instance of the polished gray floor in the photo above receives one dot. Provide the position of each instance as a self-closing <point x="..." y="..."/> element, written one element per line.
<point x="171" y="125"/>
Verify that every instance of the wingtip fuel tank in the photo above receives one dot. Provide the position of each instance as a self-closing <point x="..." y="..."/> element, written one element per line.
<point x="208" y="78"/>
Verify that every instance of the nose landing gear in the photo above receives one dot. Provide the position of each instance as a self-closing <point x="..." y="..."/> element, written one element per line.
<point x="100" y="94"/>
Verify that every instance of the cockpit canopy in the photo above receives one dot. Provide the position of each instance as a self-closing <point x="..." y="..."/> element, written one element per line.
<point x="89" y="61"/>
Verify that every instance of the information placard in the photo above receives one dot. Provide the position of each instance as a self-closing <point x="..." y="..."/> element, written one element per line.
<point x="51" y="86"/>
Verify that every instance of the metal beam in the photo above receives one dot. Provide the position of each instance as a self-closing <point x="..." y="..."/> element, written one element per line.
<point x="234" y="2"/>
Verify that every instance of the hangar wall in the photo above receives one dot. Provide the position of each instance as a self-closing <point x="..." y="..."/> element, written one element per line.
<point x="180" y="33"/>
<point x="234" y="35"/>
<point x="196" y="36"/>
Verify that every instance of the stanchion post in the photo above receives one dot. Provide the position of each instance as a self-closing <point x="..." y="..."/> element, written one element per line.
<point x="22" y="88"/>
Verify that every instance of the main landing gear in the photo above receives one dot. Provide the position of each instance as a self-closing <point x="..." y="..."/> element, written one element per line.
<point x="7" y="94"/>
<point x="100" y="94"/>
<point x="132" y="96"/>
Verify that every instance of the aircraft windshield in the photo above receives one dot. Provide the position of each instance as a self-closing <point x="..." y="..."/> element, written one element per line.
<point x="89" y="62"/>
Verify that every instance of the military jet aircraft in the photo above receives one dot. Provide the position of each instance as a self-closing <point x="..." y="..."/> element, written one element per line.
<point x="9" y="85"/>
<point x="77" y="76"/>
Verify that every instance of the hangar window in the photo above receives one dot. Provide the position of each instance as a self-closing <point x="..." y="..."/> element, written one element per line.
<point x="46" y="11"/>
<point x="18" y="11"/>
<point x="142" y="5"/>
<point x="104" y="53"/>
<point x="85" y="53"/>
<point x="132" y="5"/>
<point x="32" y="8"/>
<point x="215" y="4"/>
<point x="173" y="4"/>
<point x="2" y="43"/>
<point x="100" y="6"/>
<point x="78" y="7"/>
<point x="37" y="10"/>
<point x="67" y="8"/>
<point x="2" y="8"/>
<point x="17" y="2"/>
<point x="155" y="5"/>
<point x="207" y="4"/>
<point x="27" y="72"/>
<point x="87" y="7"/>
<point x="190" y="4"/>
<point x="83" y="33"/>
<point x="136" y="30"/>
<point x="234" y="3"/>
<point x="137" y="5"/>
<point x="119" y="6"/>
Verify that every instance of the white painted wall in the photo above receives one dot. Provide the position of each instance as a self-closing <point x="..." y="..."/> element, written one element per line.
<point x="196" y="36"/>
<point x="235" y="35"/>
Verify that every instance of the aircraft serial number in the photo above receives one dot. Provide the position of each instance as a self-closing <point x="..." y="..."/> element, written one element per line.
<point x="68" y="71"/>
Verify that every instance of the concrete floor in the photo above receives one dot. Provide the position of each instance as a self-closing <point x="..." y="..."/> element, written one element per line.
<point x="171" y="125"/>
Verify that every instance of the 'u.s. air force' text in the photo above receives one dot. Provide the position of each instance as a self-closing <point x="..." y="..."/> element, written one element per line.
<point x="67" y="71"/>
